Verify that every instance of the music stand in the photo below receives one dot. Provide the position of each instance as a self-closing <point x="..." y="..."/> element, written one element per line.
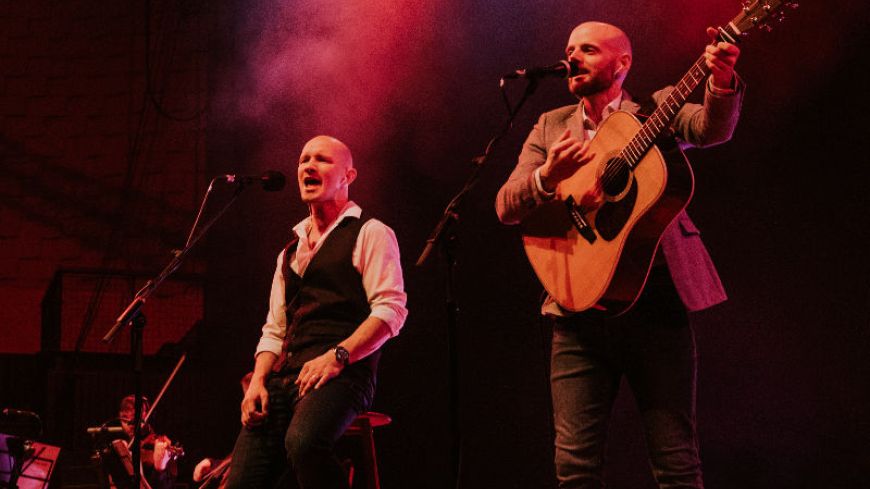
<point x="26" y="464"/>
<point x="110" y="447"/>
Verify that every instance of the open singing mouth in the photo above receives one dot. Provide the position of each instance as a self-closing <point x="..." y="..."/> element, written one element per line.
<point x="311" y="182"/>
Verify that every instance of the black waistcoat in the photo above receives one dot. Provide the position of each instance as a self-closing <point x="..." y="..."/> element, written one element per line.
<point x="328" y="303"/>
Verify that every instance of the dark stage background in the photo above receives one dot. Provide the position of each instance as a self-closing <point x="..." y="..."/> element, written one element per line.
<point x="97" y="175"/>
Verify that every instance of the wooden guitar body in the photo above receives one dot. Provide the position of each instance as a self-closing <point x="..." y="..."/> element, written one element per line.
<point x="604" y="266"/>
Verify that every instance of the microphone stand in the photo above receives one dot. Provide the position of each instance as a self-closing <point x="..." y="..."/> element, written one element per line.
<point x="134" y="316"/>
<point x="444" y="238"/>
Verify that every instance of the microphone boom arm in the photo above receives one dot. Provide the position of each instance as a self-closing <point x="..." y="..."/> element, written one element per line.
<point x="133" y="310"/>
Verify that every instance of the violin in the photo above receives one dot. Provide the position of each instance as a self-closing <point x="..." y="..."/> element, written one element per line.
<point x="171" y="451"/>
<point x="118" y="462"/>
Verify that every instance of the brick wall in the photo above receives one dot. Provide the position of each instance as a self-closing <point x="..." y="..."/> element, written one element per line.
<point x="92" y="174"/>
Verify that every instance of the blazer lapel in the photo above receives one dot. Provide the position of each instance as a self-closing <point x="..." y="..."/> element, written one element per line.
<point x="573" y="123"/>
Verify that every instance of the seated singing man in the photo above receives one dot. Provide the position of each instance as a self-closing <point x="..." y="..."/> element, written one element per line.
<point x="337" y="297"/>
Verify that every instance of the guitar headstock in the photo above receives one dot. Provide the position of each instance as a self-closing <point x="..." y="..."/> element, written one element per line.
<point x="756" y="13"/>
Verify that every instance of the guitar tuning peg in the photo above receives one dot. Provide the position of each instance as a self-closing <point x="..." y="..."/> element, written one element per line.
<point x="766" y="27"/>
<point x="792" y="5"/>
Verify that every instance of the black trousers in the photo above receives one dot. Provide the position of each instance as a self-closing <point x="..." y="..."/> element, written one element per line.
<point x="294" y="447"/>
<point x="653" y="347"/>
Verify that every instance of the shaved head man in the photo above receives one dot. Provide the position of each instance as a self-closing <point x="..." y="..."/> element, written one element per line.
<point x="603" y="55"/>
<point x="325" y="170"/>
<point x="651" y="345"/>
<point x="337" y="296"/>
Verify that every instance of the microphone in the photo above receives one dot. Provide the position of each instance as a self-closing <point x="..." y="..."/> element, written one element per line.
<point x="562" y="69"/>
<point x="271" y="180"/>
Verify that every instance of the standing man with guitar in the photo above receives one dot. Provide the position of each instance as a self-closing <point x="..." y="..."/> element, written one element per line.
<point x="337" y="297"/>
<point x="652" y="344"/>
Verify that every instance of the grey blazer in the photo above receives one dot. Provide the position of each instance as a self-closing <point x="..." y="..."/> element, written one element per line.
<point x="695" y="125"/>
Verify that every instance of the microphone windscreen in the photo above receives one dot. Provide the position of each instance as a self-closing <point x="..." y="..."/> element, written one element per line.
<point x="273" y="180"/>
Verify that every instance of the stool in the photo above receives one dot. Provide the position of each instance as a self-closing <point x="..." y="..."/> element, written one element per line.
<point x="366" y="463"/>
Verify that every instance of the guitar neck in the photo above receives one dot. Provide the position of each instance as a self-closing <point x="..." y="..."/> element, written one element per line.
<point x="665" y="113"/>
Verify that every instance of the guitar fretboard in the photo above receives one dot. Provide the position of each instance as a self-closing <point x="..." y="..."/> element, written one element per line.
<point x="664" y="113"/>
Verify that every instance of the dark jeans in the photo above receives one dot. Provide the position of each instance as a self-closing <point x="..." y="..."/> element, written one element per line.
<point x="653" y="346"/>
<point x="294" y="447"/>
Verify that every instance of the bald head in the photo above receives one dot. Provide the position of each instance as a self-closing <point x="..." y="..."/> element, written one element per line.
<point x="607" y="34"/>
<point x="339" y="150"/>
<point x="602" y="53"/>
<point x="325" y="170"/>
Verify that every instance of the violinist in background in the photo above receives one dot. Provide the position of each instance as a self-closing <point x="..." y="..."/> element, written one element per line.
<point x="158" y="455"/>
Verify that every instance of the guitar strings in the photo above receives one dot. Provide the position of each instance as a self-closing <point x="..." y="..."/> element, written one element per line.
<point x="637" y="147"/>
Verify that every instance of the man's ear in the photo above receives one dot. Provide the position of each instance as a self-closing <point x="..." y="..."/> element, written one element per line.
<point x="350" y="175"/>
<point x="624" y="65"/>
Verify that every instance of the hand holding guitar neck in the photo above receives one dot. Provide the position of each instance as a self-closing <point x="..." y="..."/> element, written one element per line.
<point x="720" y="58"/>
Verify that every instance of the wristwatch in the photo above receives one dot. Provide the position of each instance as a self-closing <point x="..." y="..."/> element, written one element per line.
<point x="342" y="355"/>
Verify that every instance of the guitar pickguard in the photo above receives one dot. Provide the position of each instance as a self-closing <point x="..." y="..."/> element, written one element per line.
<point x="612" y="217"/>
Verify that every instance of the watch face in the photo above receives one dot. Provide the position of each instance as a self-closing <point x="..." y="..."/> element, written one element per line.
<point x="342" y="355"/>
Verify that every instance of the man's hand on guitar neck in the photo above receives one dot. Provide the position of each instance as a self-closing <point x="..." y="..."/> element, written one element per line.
<point x="721" y="58"/>
<point x="564" y="158"/>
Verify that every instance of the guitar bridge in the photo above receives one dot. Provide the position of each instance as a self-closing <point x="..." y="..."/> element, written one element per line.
<point x="576" y="215"/>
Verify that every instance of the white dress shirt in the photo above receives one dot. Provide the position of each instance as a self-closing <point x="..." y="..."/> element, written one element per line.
<point x="375" y="256"/>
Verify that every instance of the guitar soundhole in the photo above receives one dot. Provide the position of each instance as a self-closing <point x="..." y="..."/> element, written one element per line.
<point x="615" y="177"/>
<point x="612" y="216"/>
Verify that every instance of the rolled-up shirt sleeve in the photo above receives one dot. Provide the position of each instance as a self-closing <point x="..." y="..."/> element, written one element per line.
<point x="272" y="338"/>
<point x="376" y="256"/>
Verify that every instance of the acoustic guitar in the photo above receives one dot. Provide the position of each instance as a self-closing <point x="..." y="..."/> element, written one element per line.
<point x="597" y="257"/>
